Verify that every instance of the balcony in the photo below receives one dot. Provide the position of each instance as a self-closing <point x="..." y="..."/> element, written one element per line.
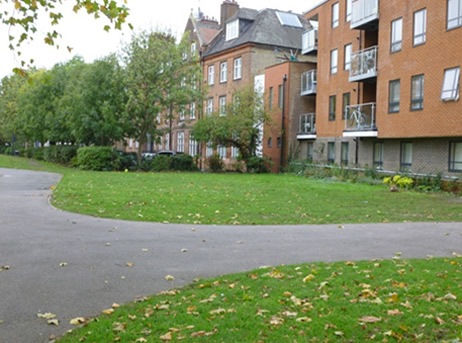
<point x="365" y="14"/>
<point x="309" y="83"/>
<point x="360" y="121"/>
<point x="307" y="126"/>
<point x="310" y="39"/>
<point x="363" y="65"/>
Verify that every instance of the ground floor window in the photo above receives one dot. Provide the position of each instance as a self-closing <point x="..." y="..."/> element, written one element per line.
<point x="344" y="152"/>
<point x="221" y="149"/>
<point x="455" y="157"/>
<point x="331" y="152"/>
<point x="193" y="151"/>
<point x="378" y="155"/>
<point x="209" y="150"/>
<point x="406" y="156"/>
<point x="180" y="142"/>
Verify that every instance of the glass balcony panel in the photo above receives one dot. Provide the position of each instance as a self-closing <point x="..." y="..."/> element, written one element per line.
<point x="309" y="82"/>
<point x="310" y="41"/>
<point x="364" y="12"/>
<point x="363" y="64"/>
<point x="361" y="120"/>
<point x="307" y="124"/>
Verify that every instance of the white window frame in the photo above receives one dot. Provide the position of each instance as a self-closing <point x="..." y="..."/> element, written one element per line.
<point x="223" y="72"/>
<point x="451" y="81"/>
<point x="222" y="105"/>
<point x="182" y="113"/>
<point x="180" y="142"/>
<point x="192" y="111"/>
<point x="334" y="61"/>
<point x="454" y="20"/>
<point x="232" y="30"/>
<point x="347" y="61"/>
<point x="238" y="68"/>
<point x="209" y="149"/>
<point x="209" y="109"/>
<point x="193" y="146"/>
<point x="193" y="49"/>
<point x="396" y="39"/>
<point x="420" y="27"/>
<point x="221" y="151"/>
<point x="335" y="15"/>
<point x="348" y="10"/>
<point x="211" y="78"/>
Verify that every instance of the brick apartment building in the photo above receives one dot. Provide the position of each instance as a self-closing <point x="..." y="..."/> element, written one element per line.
<point x="387" y="85"/>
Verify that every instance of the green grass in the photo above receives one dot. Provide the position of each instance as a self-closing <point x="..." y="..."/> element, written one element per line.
<point x="198" y="198"/>
<point x="382" y="301"/>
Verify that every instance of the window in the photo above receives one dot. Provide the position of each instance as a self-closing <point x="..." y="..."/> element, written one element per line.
<point x="193" y="49"/>
<point x="237" y="68"/>
<point x="223" y="71"/>
<point x="130" y="143"/>
<point x="330" y="152"/>
<point x="344" y="152"/>
<point x="185" y="54"/>
<point x="345" y="104"/>
<point x="182" y="113"/>
<point x="281" y="96"/>
<point x="455" y="157"/>
<point x="193" y="146"/>
<point x="454" y="13"/>
<point x="209" y="150"/>
<point x="222" y="105"/>
<point x="270" y="100"/>
<point x="450" y="89"/>
<point x="396" y="35"/>
<point x="393" y="96"/>
<point x="192" y="111"/>
<point x="348" y="10"/>
<point x="333" y="61"/>
<point x="209" y="109"/>
<point x="211" y="75"/>
<point x="335" y="15"/>
<point x="167" y="141"/>
<point x="420" y="26"/>
<point x="417" y="92"/>
<point x="221" y="150"/>
<point x="180" y="142"/>
<point x="406" y="156"/>
<point x="377" y="158"/>
<point x="332" y="103"/>
<point x="279" y="142"/>
<point x="270" y="142"/>
<point x="232" y="30"/>
<point x="309" y="151"/>
<point x="347" y="63"/>
<point x="137" y="144"/>
<point x="289" y="19"/>
<point x="234" y="150"/>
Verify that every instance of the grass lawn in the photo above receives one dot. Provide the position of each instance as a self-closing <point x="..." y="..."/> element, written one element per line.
<point x="382" y="301"/>
<point x="198" y="198"/>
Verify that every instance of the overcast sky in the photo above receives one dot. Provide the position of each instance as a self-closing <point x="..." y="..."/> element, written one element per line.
<point x="88" y="39"/>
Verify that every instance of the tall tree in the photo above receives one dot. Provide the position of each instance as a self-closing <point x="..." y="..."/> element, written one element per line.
<point x="239" y="128"/>
<point x="159" y="81"/>
<point x="10" y="91"/>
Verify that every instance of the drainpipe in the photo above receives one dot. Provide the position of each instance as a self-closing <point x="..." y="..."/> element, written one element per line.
<point x="358" y="94"/>
<point x="284" y="81"/>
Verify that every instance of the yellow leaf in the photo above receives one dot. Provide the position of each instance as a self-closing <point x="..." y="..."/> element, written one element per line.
<point x="439" y="321"/>
<point x="108" y="311"/>
<point x="115" y="305"/>
<point x="47" y="315"/>
<point x="53" y="322"/>
<point x="169" y="278"/>
<point x="303" y="319"/>
<point x="77" y="321"/>
<point x="395" y="312"/>
<point x="308" y="278"/>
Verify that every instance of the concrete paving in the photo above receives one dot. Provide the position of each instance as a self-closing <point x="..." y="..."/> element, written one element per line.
<point x="35" y="239"/>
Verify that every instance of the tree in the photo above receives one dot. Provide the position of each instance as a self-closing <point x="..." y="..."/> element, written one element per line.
<point x="159" y="81"/>
<point x="96" y="100"/>
<point x="240" y="127"/>
<point x="24" y="15"/>
<point x="10" y="91"/>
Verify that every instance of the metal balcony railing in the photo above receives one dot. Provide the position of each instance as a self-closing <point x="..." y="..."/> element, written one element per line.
<point x="310" y="41"/>
<point x="364" y="12"/>
<point x="360" y="119"/>
<point x="307" y="124"/>
<point x="309" y="82"/>
<point x="363" y="64"/>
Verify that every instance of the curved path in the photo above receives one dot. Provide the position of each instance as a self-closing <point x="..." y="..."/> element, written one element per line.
<point x="35" y="239"/>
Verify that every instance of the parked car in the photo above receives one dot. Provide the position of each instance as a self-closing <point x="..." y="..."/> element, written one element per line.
<point x="148" y="155"/>
<point x="166" y="153"/>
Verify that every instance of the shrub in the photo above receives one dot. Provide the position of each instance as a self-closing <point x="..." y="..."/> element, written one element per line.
<point x="399" y="181"/>
<point x="98" y="158"/>
<point x="258" y="165"/>
<point x="215" y="163"/>
<point x="183" y="163"/>
<point x="161" y="163"/>
<point x="128" y="160"/>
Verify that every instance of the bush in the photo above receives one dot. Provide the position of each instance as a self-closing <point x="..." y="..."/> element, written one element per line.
<point x="258" y="165"/>
<point x="55" y="154"/>
<point x="183" y="163"/>
<point x="215" y="163"/>
<point x="98" y="158"/>
<point x="399" y="181"/>
<point x="128" y="160"/>
<point x="161" y="163"/>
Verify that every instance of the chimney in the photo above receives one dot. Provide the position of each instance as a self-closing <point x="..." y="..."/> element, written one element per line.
<point x="228" y="9"/>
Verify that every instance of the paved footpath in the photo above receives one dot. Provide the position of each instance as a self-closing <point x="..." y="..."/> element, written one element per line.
<point x="36" y="238"/>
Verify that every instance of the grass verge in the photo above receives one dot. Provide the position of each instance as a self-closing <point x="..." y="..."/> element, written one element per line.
<point x="198" y="198"/>
<point x="387" y="301"/>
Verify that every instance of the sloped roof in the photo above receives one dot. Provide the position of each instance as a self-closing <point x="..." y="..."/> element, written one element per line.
<point x="206" y="31"/>
<point x="261" y="27"/>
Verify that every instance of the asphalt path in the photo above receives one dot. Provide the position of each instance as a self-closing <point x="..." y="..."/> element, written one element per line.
<point x="74" y="265"/>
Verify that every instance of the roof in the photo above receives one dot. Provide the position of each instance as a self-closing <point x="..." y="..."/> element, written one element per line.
<point x="206" y="31"/>
<point x="261" y="27"/>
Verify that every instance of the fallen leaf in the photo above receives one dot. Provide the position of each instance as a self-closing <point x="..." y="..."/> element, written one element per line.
<point x="303" y="319"/>
<point x="395" y="312"/>
<point x="276" y="320"/>
<point x="450" y="296"/>
<point x="145" y="250"/>
<point x="47" y="315"/>
<point x="115" y="305"/>
<point x="338" y="333"/>
<point x="166" y="337"/>
<point x="108" y="312"/>
<point x="218" y="311"/>
<point x="63" y="264"/>
<point x="369" y="319"/>
<point x="308" y="278"/>
<point x="53" y="322"/>
<point x="289" y="314"/>
<point x="130" y="264"/>
<point x="169" y="278"/>
<point x="77" y="321"/>
<point x="439" y="321"/>
<point x="184" y="250"/>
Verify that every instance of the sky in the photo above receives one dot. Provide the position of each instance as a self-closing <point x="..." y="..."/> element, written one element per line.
<point x="86" y="36"/>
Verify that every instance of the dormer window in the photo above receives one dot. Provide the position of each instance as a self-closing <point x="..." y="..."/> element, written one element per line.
<point x="232" y="30"/>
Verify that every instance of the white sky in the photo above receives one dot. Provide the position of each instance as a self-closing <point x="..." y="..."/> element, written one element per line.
<point x="88" y="39"/>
